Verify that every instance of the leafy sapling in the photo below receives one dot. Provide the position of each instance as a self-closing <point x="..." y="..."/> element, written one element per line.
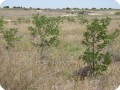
<point x="10" y="37"/>
<point x="96" y="38"/>
<point x="46" y="32"/>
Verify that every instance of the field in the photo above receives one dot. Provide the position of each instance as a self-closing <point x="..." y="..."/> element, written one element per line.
<point x="21" y="69"/>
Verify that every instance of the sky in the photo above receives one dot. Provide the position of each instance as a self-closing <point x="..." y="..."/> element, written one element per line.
<point x="63" y="3"/>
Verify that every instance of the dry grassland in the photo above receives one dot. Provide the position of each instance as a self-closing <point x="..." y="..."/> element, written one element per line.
<point x="20" y="68"/>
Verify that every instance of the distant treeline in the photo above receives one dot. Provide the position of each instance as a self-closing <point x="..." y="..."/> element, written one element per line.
<point x="67" y="8"/>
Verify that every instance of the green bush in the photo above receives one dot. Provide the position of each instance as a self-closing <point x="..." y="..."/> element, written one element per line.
<point x="10" y="37"/>
<point x="96" y="38"/>
<point x="117" y="13"/>
<point x="46" y="29"/>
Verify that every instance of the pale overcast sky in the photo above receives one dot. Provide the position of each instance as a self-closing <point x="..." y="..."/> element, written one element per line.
<point x="62" y="3"/>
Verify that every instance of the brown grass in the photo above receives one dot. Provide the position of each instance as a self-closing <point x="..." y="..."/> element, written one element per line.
<point x="20" y="68"/>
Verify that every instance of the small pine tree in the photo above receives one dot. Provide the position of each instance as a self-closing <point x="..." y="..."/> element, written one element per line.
<point x="96" y="38"/>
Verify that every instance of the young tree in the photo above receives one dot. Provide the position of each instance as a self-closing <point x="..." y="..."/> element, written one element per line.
<point x="46" y="31"/>
<point x="96" y="38"/>
<point x="9" y="35"/>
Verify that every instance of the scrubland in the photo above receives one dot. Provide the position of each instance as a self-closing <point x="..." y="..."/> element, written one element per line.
<point x="20" y="67"/>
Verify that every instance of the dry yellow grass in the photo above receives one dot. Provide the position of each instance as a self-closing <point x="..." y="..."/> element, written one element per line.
<point x="20" y="68"/>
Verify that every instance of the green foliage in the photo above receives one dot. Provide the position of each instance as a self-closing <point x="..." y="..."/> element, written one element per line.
<point x="10" y="37"/>
<point x="96" y="38"/>
<point x="79" y="18"/>
<point x="6" y="7"/>
<point x="82" y="19"/>
<point x="117" y="13"/>
<point x="1" y="23"/>
<point x="71" y="19"/>
<point x="20" y="20"/>
<point x="46" y="31"/>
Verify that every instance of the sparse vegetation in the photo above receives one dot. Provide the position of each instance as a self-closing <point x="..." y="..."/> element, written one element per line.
<point x="20" y="68"/>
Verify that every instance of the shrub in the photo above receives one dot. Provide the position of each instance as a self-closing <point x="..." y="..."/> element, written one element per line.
<point x="46" y="29"/>
<point x="10" y="37"/>
<point x="96" y="38"/>
<point x="117" y="13"/>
